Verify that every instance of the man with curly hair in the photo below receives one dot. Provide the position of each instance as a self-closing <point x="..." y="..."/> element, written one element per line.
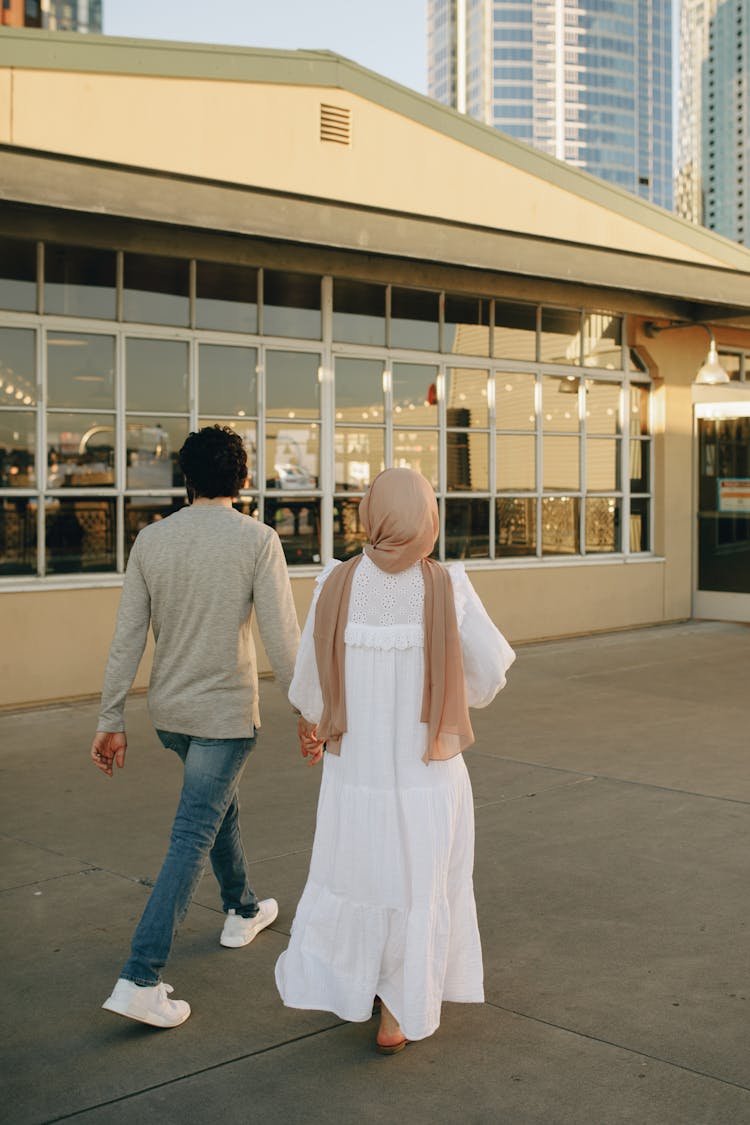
<point x="196" y="577"/>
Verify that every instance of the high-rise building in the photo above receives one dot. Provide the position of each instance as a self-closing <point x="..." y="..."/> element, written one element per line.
<point x="586" y="81"/>
<point x="54" y="15"/>
<point x="713" y="139"/>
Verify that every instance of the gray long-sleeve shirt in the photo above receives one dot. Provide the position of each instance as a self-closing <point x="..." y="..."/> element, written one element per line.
<point x="196" y="576"/>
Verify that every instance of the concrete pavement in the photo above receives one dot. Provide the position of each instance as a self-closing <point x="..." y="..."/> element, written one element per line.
<point x="612" y="787"/>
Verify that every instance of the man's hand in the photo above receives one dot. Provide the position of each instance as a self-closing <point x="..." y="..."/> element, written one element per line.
<point x="107" y="748"/>
<point x="310" y="745"/>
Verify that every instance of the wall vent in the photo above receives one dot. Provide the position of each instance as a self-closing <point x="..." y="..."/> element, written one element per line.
<point x="335" y="124"/>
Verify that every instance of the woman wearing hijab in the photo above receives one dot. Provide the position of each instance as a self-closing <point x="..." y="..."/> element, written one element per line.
<point x="394" y="650"/>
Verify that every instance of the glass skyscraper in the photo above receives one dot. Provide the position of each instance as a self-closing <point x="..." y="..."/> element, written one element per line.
<point x="587" y="81"/>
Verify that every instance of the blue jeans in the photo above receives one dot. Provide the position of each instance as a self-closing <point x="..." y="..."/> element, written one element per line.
<point x="206" y="823"/>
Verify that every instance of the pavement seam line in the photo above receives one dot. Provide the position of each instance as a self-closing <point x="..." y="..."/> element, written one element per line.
<point x="618" y="1046"/>
<point x="195" y="1073"/>
<point x="536" y="792"/>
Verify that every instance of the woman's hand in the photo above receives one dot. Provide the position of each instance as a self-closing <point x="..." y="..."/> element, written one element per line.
<point x="310" y="745"/>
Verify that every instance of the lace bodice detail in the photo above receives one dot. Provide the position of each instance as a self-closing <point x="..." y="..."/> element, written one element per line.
<point x="378" y="598"/>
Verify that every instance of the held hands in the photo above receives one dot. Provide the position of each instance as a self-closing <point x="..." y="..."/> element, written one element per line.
<point x="310" y="745"/>
<point x="107" y="748"/>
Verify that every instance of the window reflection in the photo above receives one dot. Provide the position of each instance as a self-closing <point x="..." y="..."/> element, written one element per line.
<point x="515" y="527"/>
<point x="358" y="312"/>
<point x="226" y="297"/>
<point x="297" y="523"/>
<point x="81" y="370"/>
<point x="602" y="524"/>
<point x="152" y="451"/>
<point x="467" y="529"/>
<point x="359" y="390"/>
<point x="17" y="275"/>
<point x="80" y="450"/>
<point x="560" y="340"/>
<point x="602" y="407"/>
<point x="467" y="461"/>
<point x="560" y="403"/>
<point x="359" y="456"/>
<point x="415" y="319"/>
<point x="466" y="396"/>
<point x="17" y="367"/>
<point x="466" y="328"/>
<point x="639" y="465"/>
<point x="157" y="290"/>
<point x="561" y="525"/>
<point x="292" y="456"/>
<point x="602" y="465"/>
<point x="291" y="304"/>
<point x="602" y="340"/>
<point x="417" y="449"/>
<point x="515" y="407"/>
<point x="348" y="534"/>
<point x="79" y="535"/>
<point x="415" y="399"/>
<point x="157" y="375"/>
<point x="17" y="449"/>
<point x="80" y="281"/>
<point x="561" y="466"/>
<point x="292" y="385"/>
<point x="18" y="535"/>
<point x="515" y="331"/>
<point x="639" y="410"/>
<point x="515" y="462"/>
<point x="639" y="524"/>
<point x="228" y="380"/>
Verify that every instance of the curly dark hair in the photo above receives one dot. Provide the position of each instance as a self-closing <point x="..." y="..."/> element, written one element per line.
<point x="214" y="462"/>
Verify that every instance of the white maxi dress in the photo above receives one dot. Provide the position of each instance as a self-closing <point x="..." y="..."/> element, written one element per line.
<point x="388" y="908"/>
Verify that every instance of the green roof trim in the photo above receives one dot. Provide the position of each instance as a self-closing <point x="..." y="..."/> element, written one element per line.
<point x="25" y="48"/>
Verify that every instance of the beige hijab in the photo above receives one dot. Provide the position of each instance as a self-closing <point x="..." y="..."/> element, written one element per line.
<point x="399" y="515"/>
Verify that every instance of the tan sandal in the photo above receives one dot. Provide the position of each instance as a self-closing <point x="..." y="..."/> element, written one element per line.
<point x="390" y="1048"/>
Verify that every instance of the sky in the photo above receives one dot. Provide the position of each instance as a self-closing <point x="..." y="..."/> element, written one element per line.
<point x="388" y="36"/>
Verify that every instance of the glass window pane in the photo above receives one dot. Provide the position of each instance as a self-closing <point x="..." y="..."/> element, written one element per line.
<point x="417" y="449"/>
<point x="291" y="305"/>
<point x="247" y="505"/>
<point x="602" y="465"/>
<point x="602" y="525"/>
<point x="515" y="462"/>
<point x="731" y="363"/>
<point x="17" y="446"/>
<point x="17" y="275"/>
<point x="515" y="331"/>
<point x="602" y="340"/>
<point x="157" y="375"/>
<point x="415" y="319"/>
<point x="467" y="462"/>
<point x="515" y="527"/>
<point x="466" y="397"/>
<point x="81" y="370"/>
<point x="348" y="535"/>
<point x="248" y="433"/>
<point x="297" y="523"/>
<point x="561" y="336"/>
<point x="17" y="367"/>
<point x="157" y="290"/>
<point x="560" y="408"/>
<point x="467" y="529"/>
<point x="140" y="511"/>
<point x="514" y="401"/>
<point x="560" y="525"/>
<point x="602" y="407"/>
<point x="414" y="394"/>
<point x="80" y="450"/>
<point x="292" y="456"/>
<point x="639" y="409"/>
<point x="359" y="457"/>
<point x="227" y="380"/>
<point x="18" y="536"/>
<point x="80" y="281"/>
<point x="358" y="312"/>
<point x="226" y="297"/>
<point x="359" y="390"/>
<point x="466" y="328"/>
<point x="639" y="466"/>
<point x="560" y="457"/>
<point x="639" y="525"/>
<point x="152" y="451"/>
<point x="80" y="535"/>
<point x="292" y="384"/>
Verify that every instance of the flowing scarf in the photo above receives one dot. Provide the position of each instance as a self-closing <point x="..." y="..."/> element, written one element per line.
<point x="399" y="515"/>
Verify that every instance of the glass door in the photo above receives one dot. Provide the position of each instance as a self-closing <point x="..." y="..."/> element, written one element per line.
<point x="722" y="554"/>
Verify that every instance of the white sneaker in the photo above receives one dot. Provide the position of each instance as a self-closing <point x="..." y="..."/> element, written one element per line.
<point x="241" y="931"/>
<point x="148" y="1005"/>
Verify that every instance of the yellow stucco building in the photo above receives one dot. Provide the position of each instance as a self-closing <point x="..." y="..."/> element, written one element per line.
<point x="352" y="276"/>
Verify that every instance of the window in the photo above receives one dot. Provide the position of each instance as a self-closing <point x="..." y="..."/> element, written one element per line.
<point x="80" y="282"/>
<point x="17" y="275"/>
